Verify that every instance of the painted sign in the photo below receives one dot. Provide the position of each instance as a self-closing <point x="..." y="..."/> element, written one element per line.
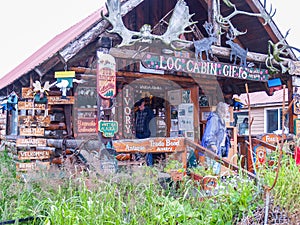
<point x="39" y="154"/>
<point x="106" y="76"/>
<point x="32" y="166"/>
<point x="38" y="132"/>
<point x="57" y="100"/>
<point x="296" y="104"/>
<point x="30" y="105"/>
<point x="270" y="138"/>
<point x="163" y="62"/>
<point x="155" y="145"/>
<point x="86" y="125"/>
<point x="108" y="128"/>
<point x="297" y="127"/>
<point x="261" y="155"/>
<point x="127" y="111"/>
<point x="34" y="121"/>
<point x="31" y="142"/>
<point x="27" y="93"/>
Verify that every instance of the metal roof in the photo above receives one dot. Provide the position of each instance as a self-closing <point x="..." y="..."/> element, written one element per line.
<point x="52" y="47"/>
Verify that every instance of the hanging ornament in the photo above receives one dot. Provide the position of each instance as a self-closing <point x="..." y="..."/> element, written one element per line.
<point x="65" y="81"/>
<point x="10" y="103"/>
<point x="40" y="94"/>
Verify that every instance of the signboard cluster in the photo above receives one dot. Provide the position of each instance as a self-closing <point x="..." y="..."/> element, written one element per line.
<point x="31" y="143"/>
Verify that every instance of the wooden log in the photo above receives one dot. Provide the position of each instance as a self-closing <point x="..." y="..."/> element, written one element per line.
<point x="92" y="144"/>
<point x="217" y="51"/>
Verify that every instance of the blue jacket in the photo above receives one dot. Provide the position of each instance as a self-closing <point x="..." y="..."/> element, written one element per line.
<point x="148" y="115"/>
<point x="214" y="133"/>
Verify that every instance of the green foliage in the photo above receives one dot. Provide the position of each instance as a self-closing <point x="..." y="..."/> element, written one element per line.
<point x="138" y="197"/>
<point x="173" y="164"/>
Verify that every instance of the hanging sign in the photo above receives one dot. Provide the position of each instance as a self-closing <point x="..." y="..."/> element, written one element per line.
<point x="34" y="121"/>
<point x="108" y="128"/>
<point x="27" y="93"/>
<point x="32" y="166"/>
<point x="57" y="100"/>
<point x="106" y="76"/>
<point x="38" y="132"/>
<point x="31" y="142"/>
<point x="30" y="105"/>
<point x="163" y="62"/>
<point x="43" y="154"/>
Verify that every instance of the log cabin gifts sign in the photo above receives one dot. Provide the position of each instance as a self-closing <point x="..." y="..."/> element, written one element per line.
<point x="164" y="62"/>
<point x="106" y="76"/>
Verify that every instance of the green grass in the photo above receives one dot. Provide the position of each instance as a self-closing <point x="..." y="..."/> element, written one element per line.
<point x="137" y="198"/>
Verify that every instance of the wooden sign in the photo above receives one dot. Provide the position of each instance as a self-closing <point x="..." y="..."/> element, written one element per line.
<point x="43" y="154"/>
<point x="86" y="125"/>
<point x="261" y="155"/>
<point x="270" y="138"/>
<point x="27" y="93"/>
<point x="108" y="128"/>
<point x="34" y="121"/>
<point x="297" y="127"/>
<point x="127" y="112"/>
<point x="32" y="166"/>
<point x="108" y="166"/>
<point x="164" y="62"/>
<point x="38" y="132"/>
<point x="64" y="74"/>
<point x="106" y="76"/>
<point x="57" y="100"/>
<point x="296" y="105"/>
<point x="30" y="105"/>
<point x="155" y="145"/>
<point x="31" y="142"/>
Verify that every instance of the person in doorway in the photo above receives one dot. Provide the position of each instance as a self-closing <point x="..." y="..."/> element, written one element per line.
<point x="215" y="137"/>
<point x="143" y="116"/>
<point x="243" y="127"/>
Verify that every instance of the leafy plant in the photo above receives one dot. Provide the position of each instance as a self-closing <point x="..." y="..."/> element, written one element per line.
<point x="173" y="165"/>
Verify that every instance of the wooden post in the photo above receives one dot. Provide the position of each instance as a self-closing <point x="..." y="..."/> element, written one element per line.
<point x="251" y="167"/>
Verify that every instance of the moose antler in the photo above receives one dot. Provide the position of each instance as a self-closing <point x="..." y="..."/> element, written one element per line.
<point x="274" y="53"/>
<point x="225" y="22"/>
<point x="179" y="21"/>
<point x="115" y="18"/>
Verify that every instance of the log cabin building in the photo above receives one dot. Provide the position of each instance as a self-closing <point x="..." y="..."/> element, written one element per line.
<point x="93" y="73"/>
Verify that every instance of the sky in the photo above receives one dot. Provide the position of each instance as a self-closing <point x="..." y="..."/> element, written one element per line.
<point x="28" y="25"/>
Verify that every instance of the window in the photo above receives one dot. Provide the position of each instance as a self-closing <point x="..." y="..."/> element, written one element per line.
<point x="274" y="120"/>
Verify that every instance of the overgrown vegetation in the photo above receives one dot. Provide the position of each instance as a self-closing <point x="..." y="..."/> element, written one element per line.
<point x="140" y="197"/>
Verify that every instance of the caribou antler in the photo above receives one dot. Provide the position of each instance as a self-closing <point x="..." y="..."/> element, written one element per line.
<point x="225" y="22"/>
<point x="179" y="21"/>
